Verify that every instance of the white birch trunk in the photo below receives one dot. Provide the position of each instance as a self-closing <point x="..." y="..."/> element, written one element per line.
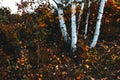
<point x="98" y="23"/>
<point x="87" y="19"/>
<point x="80" y="15"/>
<point x="62" y="25"/>
<point x="73" y="28"/>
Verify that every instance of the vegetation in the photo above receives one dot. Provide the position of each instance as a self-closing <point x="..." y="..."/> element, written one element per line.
<point x="31" y="46"/>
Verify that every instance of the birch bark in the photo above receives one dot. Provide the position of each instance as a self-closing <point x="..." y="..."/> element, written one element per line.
<point x="98" y="23"/>
<point x="63" y="28"/>
<point x="80" y="14"/>
<point x="87" y="19"/>
<point x="73" y="27"/>
<point x="62" y="25"/>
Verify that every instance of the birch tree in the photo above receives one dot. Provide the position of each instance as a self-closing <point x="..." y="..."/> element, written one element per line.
<point x="62" y="24"/>
<point x="80" y="14"/>
<point x="75" y="24"/>
<point x="98" y="23"/>
<point x="60" y="5"/>
<point x="74" y="29"/>
<point x="87" y="19"/>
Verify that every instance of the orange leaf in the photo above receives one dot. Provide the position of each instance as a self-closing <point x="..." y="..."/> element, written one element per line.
<point x="64" y="73"/>
<point x="85" y="48"/>
<point x="42" y="24"/>
<point x="78" y="77"/>
<point x="39" y="79"/>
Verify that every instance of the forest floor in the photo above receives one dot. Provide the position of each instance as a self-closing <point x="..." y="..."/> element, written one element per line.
<point x="100" y="63"/>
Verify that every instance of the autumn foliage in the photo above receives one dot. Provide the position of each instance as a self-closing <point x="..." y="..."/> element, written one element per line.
<point x="115" y="4"/>
<point x="31" y="46"/>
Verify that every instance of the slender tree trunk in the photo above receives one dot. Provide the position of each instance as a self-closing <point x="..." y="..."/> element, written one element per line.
<point x="98" y="23"/>
<point x="63" y="25"/>
<point x="73" y="28"/>
<point x="80" y="15"/>
<point x="87" y="19"/>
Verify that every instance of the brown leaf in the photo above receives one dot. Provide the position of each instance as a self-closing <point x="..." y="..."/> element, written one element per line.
<point x="4" y="73"/>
